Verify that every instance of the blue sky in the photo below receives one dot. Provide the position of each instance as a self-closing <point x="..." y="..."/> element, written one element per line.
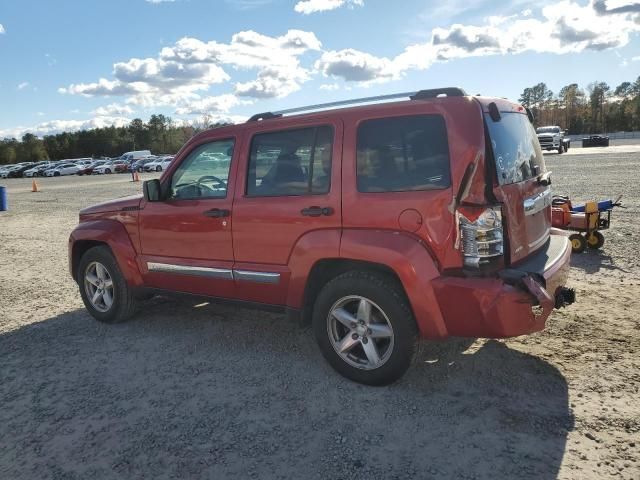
<point x="82" y="63"/>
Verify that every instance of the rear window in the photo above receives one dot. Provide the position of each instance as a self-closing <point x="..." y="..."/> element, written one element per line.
<point x="516" y="149"/>
<point x="403" y="154"/>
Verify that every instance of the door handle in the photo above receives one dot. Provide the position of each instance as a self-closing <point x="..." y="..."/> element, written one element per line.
<point x="316" y="211"/>
<point x="217" y="212"/>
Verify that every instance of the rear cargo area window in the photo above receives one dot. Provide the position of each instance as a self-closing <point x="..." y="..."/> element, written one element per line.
<point x="403" y="154"/>
<point x="515" y="147"/>
<point x="290" y="162"/>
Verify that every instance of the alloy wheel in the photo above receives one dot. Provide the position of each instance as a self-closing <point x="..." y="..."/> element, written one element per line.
<point x="360" y="332"/>
<point x="98" y="286"/>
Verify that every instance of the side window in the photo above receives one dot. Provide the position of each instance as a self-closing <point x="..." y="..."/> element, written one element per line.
<point x="290" y="162"/>
<point x="204" y="173"/>
<point x="403" y="154"/>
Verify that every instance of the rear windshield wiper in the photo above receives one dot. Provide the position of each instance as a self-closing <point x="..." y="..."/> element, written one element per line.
<point x="544" y="179"/>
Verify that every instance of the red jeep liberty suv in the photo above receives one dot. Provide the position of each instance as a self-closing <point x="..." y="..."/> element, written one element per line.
<point x="380" y="223"/>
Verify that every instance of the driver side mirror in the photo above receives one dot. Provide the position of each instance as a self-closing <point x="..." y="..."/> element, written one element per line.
<point x="151" y="190"/>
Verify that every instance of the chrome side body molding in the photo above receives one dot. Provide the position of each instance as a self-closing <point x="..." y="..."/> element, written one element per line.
<point x="219" y="273"/>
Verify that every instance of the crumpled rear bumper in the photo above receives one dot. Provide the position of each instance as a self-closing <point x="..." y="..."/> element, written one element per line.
<point x="518" y="302"/>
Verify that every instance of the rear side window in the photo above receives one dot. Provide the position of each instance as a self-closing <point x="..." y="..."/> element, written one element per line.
<point x="290" y="162"/>
<point x="403" y="154"/>
<point x="516" y="149"/>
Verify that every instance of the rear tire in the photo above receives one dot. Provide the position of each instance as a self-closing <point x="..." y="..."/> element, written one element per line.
<point x="98" y="272"/>
<point x="158" y="169"/>
<point x="578" y="243"/>
<point x="366" y="317"/>
<point x="595" y="240"/>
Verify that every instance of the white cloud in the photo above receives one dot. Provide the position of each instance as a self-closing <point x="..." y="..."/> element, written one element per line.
<point x="180" y="72"/>
<point x="112" y="109"/>
<point x="307" y="7"/>
<point x="23" y="85"/>
<point x="355" y="66"/>
<point x="2" y="30"/>
<point x="210" y="105"/>
<point x="160" y="1"/>
<point x="103" y="87"/>
<point x="635" y="59"/>
<point x="58" y="126"/>
<point x="564" y="27"/>
<point x="329" y="87"/>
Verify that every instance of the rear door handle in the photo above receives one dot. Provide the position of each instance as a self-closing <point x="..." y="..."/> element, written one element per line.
<point x="217" y="212"/>
<point x="316" y="211"/>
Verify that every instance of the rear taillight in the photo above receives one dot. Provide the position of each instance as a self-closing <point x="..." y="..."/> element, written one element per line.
<point x="480" y="237"/>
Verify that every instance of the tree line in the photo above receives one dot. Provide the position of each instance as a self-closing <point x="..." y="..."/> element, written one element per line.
<point x="596" y="109"/>
<point x="160" y="135"/>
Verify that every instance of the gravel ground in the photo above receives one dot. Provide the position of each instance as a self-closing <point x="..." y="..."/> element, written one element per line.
<point x="205" y="391"/>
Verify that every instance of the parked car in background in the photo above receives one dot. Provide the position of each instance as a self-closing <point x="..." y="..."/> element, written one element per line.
<point x="595" y="141"/>
<point x="121" y="166"/>
<point x="35" y="169"/>
<point x="138" y="165"/>
<point x="18" y="171"/>
<point x="62" y="170"/>
<point x="88" y="169"/>
<point x="133" y="156"/>
<point x="158" y="165"/>
<point x="105" y="168"/>
<point x="4" y="173"/>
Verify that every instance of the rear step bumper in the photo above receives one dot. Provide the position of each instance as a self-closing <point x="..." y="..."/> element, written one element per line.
<point x="517" y="303"/>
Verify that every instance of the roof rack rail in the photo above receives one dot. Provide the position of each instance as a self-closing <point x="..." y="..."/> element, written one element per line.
<point x="419" y="95"/>
<point x="436" y="92"/>
<point x="263" y="116"/>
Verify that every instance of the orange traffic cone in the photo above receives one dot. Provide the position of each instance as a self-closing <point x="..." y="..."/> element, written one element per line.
<point x="34" y="186"/>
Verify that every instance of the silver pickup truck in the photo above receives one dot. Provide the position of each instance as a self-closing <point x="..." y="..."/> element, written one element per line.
<point x="553" y="138"/>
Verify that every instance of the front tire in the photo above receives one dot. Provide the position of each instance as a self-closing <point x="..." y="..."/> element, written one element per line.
<point x="364" y="327"/>
<point x="158" y="168"/>
<point x="103" y="288"/>
<point x="561" y="149"/>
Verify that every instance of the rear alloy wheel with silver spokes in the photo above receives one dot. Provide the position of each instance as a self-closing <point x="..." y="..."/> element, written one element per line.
<point x="364" y="327"/>
<point x="98" y="285"/>
<point x="360" y="332"/>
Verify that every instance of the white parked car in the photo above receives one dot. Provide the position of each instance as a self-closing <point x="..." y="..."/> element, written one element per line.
<point x="105" y="168"/>
<point x="158" y="165"/>
<point x="35" y="171"/>
<point x="64" y="169"/>
<point x="4" y="173"/>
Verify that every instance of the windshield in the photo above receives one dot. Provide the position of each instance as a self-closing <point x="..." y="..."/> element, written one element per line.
<point x="548" y="130"/>
<point x="515" y="147"/>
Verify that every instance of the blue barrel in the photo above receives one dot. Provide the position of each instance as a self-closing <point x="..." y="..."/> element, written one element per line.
<point x="602" y="206"/>
<point x="3" y="199"/>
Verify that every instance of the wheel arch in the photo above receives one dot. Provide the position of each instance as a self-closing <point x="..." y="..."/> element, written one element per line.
<point x="393" y="254"/>
<point x="114" y="236"/>
<point x="326" y="269"/>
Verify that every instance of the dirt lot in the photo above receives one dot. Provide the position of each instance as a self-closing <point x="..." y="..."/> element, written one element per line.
<point x="205" y="391"/>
